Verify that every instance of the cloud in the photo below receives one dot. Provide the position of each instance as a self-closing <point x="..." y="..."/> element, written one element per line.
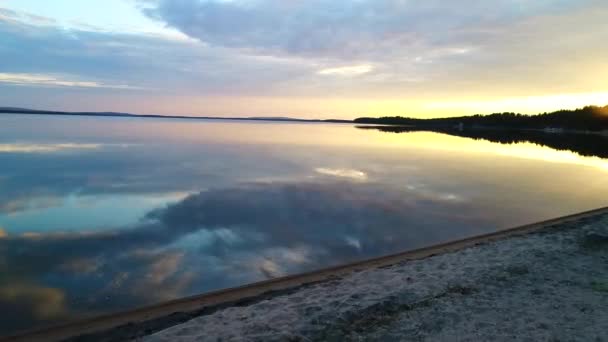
<point x="353" y="28"/>
<point x="81" y="266"/>
<point x="19" y="204"/>
<point x="354" y="70"/>
<point x="108" y="62"/>
<point x="53" y="81"/>
<point x="44" y="148"/>
<point x="27" y="302"/>
<point x="17" y="16"/>
<point x="343" y="173"/>
<point x="164" y="268"/>
<point x="111" y="169"/>
<point x="298" y="219"/>
<point x="415" y="47"/>
<point x="353" y="242"/>
<point x="276" y="262"/>
<point x="51" y="55"/>
<point x="291" y="224"/>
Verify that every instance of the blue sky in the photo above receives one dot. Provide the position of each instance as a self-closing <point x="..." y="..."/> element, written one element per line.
<point x="317" y="58"/>
<point x="118" y="15"/>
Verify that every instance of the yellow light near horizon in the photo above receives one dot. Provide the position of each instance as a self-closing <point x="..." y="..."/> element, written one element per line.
<point x="448" y="143"/>
<point x="525" y="105"/>
<point x="427" y="105"/>
<point x="602" y="111"/>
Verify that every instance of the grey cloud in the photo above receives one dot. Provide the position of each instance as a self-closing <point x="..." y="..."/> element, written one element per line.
<point x="450" y="48"/>
<point x="342" y="29"/>
<point x="7" y="13"/>
<point x="15" y="16"/>
<point x="133" y="62"/>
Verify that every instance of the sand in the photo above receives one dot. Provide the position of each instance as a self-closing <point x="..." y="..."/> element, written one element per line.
<point x="550" y="285"/>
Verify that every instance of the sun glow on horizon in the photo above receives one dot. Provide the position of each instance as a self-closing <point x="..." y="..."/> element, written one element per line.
<point x="524" y="104"/>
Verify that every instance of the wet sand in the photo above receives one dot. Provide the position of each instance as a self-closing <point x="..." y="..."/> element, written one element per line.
<point x="542" y="282"/>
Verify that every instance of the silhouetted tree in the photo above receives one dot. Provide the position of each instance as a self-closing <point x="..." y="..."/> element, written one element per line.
<point x="590" y="118"/>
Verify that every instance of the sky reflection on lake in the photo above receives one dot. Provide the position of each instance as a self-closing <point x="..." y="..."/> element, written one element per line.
<point x="106" y="214"/>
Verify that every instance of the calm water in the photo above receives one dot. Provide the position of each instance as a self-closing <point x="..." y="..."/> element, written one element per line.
<point x="106" y="214"/>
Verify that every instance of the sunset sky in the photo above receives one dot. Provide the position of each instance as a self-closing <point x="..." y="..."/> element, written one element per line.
<point x="309" y="59"/>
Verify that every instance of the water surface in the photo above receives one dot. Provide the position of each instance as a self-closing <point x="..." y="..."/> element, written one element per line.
<point x="105" y="214"/>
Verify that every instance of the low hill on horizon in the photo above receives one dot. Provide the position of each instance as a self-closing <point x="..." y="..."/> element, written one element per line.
<point x="16" y="110"/>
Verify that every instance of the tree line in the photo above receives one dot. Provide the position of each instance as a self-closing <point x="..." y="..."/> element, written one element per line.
<point x="590" y="118"/>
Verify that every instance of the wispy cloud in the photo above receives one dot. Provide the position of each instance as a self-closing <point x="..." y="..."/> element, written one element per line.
<point x="44" y="148"/>
<point x="352" y="70"/>
<point x="343" y="173"/>
<point x="54" y="81"/>
<point x="32" y="19"/>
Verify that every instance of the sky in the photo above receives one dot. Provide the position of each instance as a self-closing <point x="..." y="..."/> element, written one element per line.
<point x="308" y="59"/>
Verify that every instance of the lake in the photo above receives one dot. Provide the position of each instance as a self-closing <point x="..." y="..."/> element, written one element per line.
<point x="99" y="215"/>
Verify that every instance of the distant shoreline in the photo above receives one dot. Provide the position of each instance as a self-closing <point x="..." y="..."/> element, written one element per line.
<point x="587" y="120"/>
<point x="157" y="116"/>
<point x="590" y="119"/>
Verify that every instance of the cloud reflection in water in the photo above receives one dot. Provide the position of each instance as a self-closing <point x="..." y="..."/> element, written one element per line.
<point x="224" y="237"/>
